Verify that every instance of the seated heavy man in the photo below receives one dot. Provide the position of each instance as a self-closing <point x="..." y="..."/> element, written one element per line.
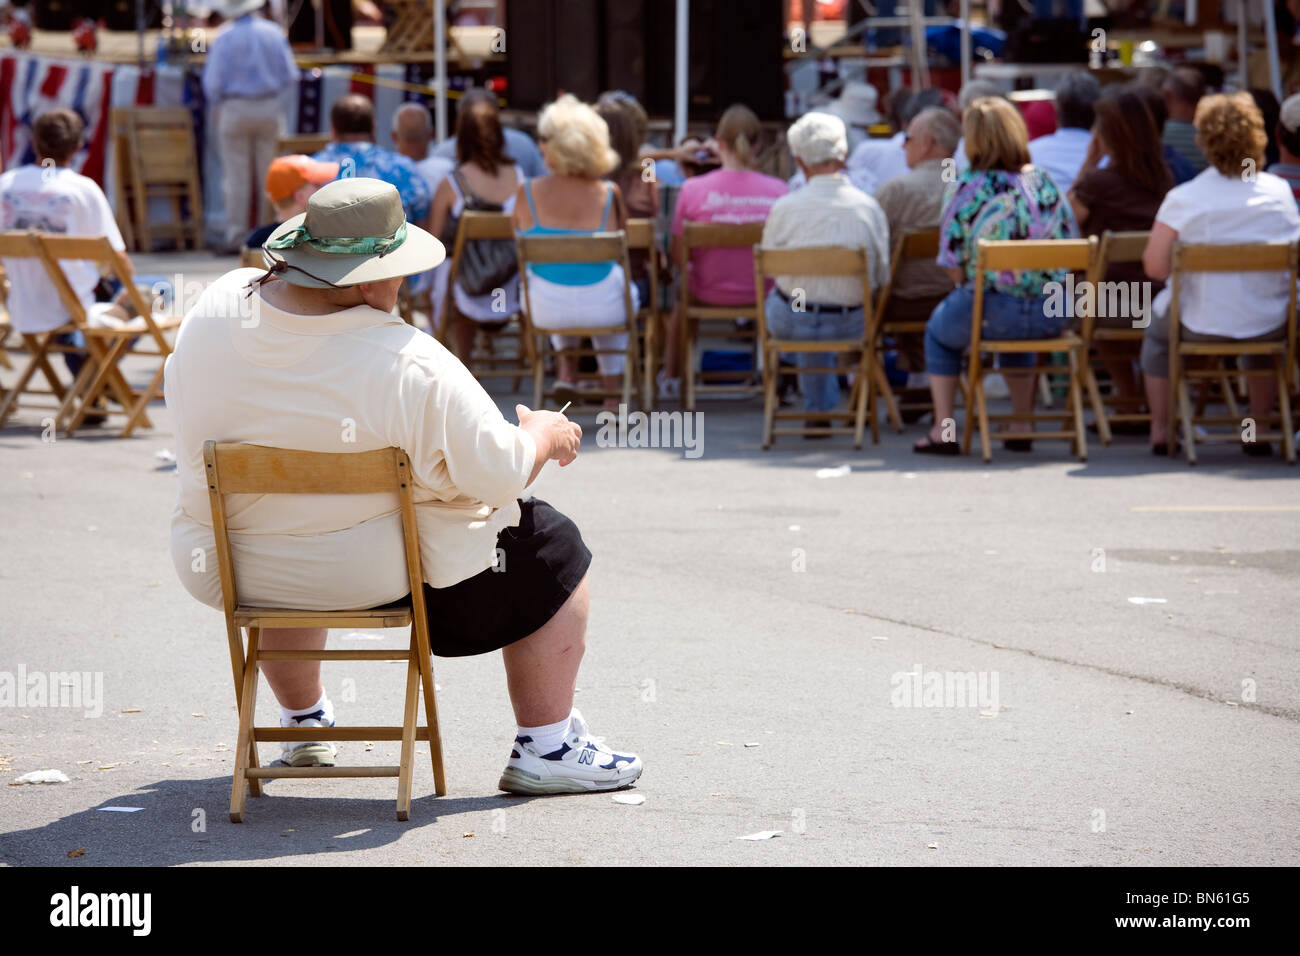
<point x="309" y="355"/>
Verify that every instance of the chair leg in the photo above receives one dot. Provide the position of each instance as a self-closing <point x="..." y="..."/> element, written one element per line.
<point x="431" y="717"/>
<point x="37" y="361"/>
<point x="1076" y="405"/>
<point x="1184" y="401"/>
<point x="968" y="401"/>
<point x="1284" y="408"/>
<point x="886" y="395"/>
<point x="864" y="399"/>
<point x="136" y="415"/>
<point x="686" y="360"/>
<point x="408" y="734"/>
<point x="247" y="707"/>
<point x="1094" y="398"/>
<point x="771" y="380"/>
<point x="982" y="414"/>
<point x="539" y="368"/>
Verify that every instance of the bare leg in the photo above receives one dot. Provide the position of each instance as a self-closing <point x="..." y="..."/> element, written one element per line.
<point x="542" y="669"/>
<point x="1158" y="402"/>
<point x="1021" y="387"/>
<point x="1263" y="396"/>
<point x="296" y="684"/>
<point x="943" y="390"/>
<point x="1119" y="368"/>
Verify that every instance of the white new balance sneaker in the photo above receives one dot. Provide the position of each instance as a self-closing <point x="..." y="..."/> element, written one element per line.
<point x="582" y="763"/>
<point x="308" y="753"/>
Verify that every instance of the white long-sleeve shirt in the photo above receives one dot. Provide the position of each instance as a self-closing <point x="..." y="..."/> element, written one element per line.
<point x="350" y="381"/>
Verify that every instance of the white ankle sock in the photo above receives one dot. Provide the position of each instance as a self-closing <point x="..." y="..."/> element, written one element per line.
<point x="288" y="716"/>
<point x="547" y="738"/>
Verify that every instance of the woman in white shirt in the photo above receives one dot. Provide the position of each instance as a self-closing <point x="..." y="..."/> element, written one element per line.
<point x="1229" y="202"/>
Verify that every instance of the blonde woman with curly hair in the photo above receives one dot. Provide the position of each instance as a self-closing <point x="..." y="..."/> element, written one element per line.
<point x="1231" y="201"/>
<point x="573" y="199"/>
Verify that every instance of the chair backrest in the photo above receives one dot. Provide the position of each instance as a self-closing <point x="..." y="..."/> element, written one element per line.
<point x="484" y="225"/>
<point x="640" y="233"/>
<point x="100" y="251"/>
<point x="720" y="235"/>
<point x="239" y="469"/>
<point x="161" y="143"/>
<point x="813" y="261"/>
<point x="592" y="247"/>
<point x="1237" y="257"/>
<point x="1114" y="248"/>
<point x="296" y="143"/>
<point x="912" y="244"/>
<point x="1017" y="254"/>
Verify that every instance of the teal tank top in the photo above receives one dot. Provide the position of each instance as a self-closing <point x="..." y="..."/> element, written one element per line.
<point x="567" y="273"/>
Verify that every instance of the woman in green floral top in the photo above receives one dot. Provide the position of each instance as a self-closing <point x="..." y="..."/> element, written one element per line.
<point x="1001" y="196"/>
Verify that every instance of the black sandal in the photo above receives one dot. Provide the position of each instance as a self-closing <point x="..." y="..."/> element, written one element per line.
<point x="932" y="447"/>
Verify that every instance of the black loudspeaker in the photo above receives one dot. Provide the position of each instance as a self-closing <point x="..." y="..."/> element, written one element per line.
<point x="587" y="46"/>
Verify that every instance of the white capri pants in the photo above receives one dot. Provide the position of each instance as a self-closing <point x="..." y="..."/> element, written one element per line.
<point x="555" y="306"/>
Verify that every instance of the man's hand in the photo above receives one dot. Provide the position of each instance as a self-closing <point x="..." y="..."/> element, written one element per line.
<point x="557" y="438"/>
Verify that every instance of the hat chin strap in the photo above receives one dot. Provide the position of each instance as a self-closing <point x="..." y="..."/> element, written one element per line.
<point x="278" y="266"/>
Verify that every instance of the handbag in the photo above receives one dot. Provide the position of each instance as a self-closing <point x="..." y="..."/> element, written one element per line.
<point x="485" y="264"/>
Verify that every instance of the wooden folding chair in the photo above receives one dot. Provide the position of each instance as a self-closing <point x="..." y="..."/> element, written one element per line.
<point x="693" y="313"/>
<point x="296" y="144"/>
<point x="235" y="469"/>
<point x="1016" y="254"/>
<point x="861" y="357"/>
<point x="1244" y="257"/>
<point x="1115" y="247"/>
<point x="107" y="346"/>
<point x="162" y="163"/>
<point x="641" y="237"/>
<point x="484" y="362"/>
<point x="251" y="259"/>
<point x="910" y="246"/>
<point x="596" y="247"/>
<point x="38" y="346"/>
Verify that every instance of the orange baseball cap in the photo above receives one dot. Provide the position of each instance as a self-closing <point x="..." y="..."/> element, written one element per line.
<point x="287" y="173"/>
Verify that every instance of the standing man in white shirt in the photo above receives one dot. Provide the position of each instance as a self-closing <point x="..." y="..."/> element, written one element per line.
<point x="249" y="62"/>
<point x="1062" y="153"/>
<point x="828" y="211"/>
<point x="308" y="355"/>
<point x="49" y="196"/>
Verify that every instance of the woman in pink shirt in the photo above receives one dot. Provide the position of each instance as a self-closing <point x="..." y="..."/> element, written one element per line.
<point x="736" y="193"/>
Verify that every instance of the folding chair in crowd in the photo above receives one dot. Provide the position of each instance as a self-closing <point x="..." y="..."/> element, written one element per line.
<point x="1017" y="254"/>
<point x="912" y="246"/>
<point x="693" y="313"/>
<point x="641" y="238"/>
<point x="1245" y="257"/>
<point x="39" y="347"/>
<point x="596" y="247"/>
<point x="236" y="469"/>
<point x="487" y="363"/>
<point x="858" y="355"/>
<point x="108" y="345"/>
<point x="1116" y="247"/>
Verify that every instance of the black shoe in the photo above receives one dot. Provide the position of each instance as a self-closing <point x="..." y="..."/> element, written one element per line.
<point x="1018" y="444"/>
<point x="928" y="446"/>
<point x="1257" y="449"/>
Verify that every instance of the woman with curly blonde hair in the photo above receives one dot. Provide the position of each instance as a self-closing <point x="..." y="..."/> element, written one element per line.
<point x="1231" y="201"/>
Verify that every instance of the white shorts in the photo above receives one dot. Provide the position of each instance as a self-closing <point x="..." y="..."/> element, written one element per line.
<point x="555" y="306"/>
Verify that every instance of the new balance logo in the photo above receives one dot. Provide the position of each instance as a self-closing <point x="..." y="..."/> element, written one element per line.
<point x="587" y="756"/>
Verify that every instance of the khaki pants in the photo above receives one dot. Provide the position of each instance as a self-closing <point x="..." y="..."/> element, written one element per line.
<point x="247" y="130"/>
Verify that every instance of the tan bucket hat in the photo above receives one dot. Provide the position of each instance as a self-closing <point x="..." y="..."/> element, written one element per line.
<point x="353" y="231"/>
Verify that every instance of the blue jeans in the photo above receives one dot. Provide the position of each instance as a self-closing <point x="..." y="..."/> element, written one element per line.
<point x="947" y="334"/>
<point x="821" y="390"/>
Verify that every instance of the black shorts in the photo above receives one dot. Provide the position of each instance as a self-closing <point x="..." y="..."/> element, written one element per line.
<point x="540" y="563"/>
